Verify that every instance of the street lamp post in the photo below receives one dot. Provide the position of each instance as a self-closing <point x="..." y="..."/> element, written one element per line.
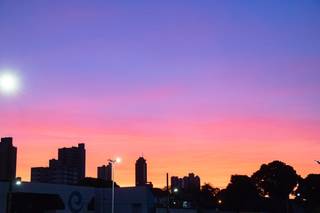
<point x="113" y="162"/>
<point x="16" y="181"/>
<point x="9" y="195"/>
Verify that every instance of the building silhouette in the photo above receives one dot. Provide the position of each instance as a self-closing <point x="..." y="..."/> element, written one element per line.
<point x="187" y="183"/>
<point x="176" y="183"/>
<point x="69" y="168"/>
<point x="74" y="157"/>
<point x="105" y="172"/>
<point x="141" y="172"/>
<point x="8" y="159"/>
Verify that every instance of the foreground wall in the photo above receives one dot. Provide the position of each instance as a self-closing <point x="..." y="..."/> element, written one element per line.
<point x="77" y="199"/>
<point x="128" y="200"/>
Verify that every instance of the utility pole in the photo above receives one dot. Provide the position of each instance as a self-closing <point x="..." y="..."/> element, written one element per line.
<point x="168" y="193"/>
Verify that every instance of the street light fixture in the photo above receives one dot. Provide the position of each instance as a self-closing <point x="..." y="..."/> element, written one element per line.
<point x="118" y="160"/>
<point x="113" y="162"/>
<point x="18" y="182"/>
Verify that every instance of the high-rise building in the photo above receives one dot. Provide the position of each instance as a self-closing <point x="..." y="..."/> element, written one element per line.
<point x="187" y="183"/>
<point x="54" y="175"/>
<point x="8" y="159"/>
<point x="105" y="172"/>
<point x="141" y="172"/>
<point x="74" y="157"/>
<point x="40" y="174"/>
<point x="191" y="182"/>
<point x="69" y="168"/>
<point x="176" y="183"/>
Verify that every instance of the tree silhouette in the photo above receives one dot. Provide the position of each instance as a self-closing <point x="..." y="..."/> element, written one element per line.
<point x="308" y="192"/>
<point x="207" y="196"/>
<point x="210" y="190"/>
<point x="241" y="194"/>
<point x="276" y="180"/>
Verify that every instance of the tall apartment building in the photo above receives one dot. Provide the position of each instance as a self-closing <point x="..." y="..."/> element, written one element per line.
<point x="8" y="159"/>
<point x="75" y="158"/>
<point x="187" y="183"/>
<point x="141" y="172"/>
<point x="105" y="172"/>
<point x="69" y="168"/>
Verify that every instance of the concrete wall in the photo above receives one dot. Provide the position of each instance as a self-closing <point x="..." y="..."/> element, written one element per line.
<point x="69" y="194"/>
<point x="127" y="200"/>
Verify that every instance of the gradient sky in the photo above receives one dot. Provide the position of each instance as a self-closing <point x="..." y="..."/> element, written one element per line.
<point x="211" y="87"/>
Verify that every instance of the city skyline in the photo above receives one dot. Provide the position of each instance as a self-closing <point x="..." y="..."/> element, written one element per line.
<point x="266" y="188"/>
<point x="213" y="88"/>
<point x="72" y="161"/>
<point x="69" y="169"/>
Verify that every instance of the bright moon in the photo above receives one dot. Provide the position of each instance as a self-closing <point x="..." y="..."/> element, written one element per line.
<point x="9" y="83"/>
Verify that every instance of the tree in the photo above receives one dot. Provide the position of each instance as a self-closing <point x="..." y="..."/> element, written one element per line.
<point x="210" y="190"/>
<point x="308" y="192"/>
<point x="276" y="180"/>
<point x="241" y="194"/>
<point x="207" y="196"/>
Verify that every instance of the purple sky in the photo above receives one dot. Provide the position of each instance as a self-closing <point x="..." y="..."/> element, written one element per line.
<point x="155" y="68"/>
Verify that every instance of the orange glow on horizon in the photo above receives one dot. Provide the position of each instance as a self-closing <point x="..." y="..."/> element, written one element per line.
<point x="213" y="151"/>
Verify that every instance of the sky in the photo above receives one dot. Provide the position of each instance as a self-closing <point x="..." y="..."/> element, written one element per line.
<point x="205" y="86"/>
